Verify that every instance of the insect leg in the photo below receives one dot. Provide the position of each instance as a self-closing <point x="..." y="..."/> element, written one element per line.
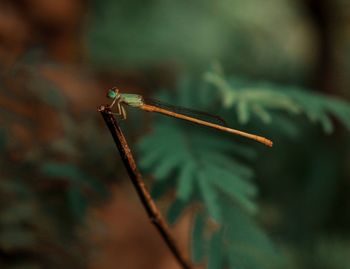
<point x="114" y="100"/>
<point x="118" y="108"/>
<point x="120" y="111"/>
<point x="123" y="112"/>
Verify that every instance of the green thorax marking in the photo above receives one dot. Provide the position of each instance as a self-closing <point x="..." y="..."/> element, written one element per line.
<point x="132" y="99"/>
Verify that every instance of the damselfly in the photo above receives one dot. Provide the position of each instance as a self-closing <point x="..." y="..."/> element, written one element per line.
<point x="135" y="100"/>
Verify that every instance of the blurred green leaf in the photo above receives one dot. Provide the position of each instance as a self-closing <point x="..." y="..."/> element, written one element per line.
<point x="72" y="173"/>
<point x="261" y="99"/>
<point x="63" y="171"/>
<point x="77" y="202"/>
<point x="175" y="211"/>
<point x="215" y="252"/>
<point x="216" y="171"/>
<point x="201" y="167"/>
<point x="198" y="248"/>
<point x="17" y="238"/>
<point x="332" y="253"/>
<point x="236" y="32"/>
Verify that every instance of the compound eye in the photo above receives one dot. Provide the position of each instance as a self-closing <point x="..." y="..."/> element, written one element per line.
<point x="112" y="94"/>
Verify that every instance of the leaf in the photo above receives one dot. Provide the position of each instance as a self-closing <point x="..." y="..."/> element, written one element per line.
<point x="209" y="197"/>
<point x="262" y="113"/>
<point x="285" y="125"/>
<point x="198" y="172"/>
<point x="209" y="170"/>
<point x="163" y="169"/>
<point x="340" y="109"/>
<point x="261" y="99"/>
<point x="185" y="185"/>
<point x="229" y="164"/>
<point x="221" y="144"/>
<point x="216" y="255"/>
<point x="160" y="188"/>
<point x="175" y="211"/>
<point x="72" y="173"/>
<point x="239" y="191"/>
<point x="152" y="157"/>
<point x="77" y="202"/>
<point x="249" y="246"/>
<point x="216" y="171"/>
<point x="243" y="112"/>
<point x="198" y="249"/>
<point x="61" y="171"/>
<point x="326" y="124"/>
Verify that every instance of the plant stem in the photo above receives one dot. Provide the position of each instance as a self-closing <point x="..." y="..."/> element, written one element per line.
<point x="141" y="189"/>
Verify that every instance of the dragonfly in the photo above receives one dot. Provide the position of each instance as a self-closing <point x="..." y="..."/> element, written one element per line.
<point x="120" y="100"/>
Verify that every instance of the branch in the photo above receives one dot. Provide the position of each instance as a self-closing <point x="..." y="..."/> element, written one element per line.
<point x="143" y="193"/>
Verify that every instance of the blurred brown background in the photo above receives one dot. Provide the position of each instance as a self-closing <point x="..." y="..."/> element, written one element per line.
<point x="80" y="49"/>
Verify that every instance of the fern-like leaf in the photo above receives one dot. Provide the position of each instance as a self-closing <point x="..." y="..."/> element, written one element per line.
<point x="204" y="167"/>
<point x="260" y="100"/>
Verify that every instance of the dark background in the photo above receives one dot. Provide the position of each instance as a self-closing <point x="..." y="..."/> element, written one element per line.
<point x="65" y="198"/>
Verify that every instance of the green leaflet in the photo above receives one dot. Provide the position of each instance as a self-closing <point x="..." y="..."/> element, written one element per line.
<point x="185" y="185"/>
<point x="198" y="248"/>
<point x="163" y="169"/>
<point x="152" y="157"/>
<point x="236" y="189"/>
<point x="285" y="125"/>
<point x="62" y="171"/>
<point x="246" y="96"/>
<point x="72" y="174"/>
<point x="175" y="211"/>
<point x="191" y="164"/>
<point x="78" y="180"/>
<point x="214" y="169"/>
<point x="77" y="201"/>
<point x="339" y="109"/>
<point x="221" y="178"/>
<point x="209" y="196"/>
<point x="224" y="144"/>
<point x="223" y="161"/>
<point x="249" y="246"/>
<point x="201" y="166"/>
<point x="239" y="243"/>
<point x="160" y="188"/>
<point x="262" y="113"/>
<point x="157" y="147"/>
<point x="319" y="107"/>
<point x="216" y="253"/>
<point x="243" y="112"/>
<point x="260" y="100"/>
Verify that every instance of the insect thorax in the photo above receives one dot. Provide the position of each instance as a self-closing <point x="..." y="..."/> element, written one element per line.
<point x="134" y="100"/>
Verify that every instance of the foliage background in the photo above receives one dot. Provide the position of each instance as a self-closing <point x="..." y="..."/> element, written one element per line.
<point x="277" y="68"/>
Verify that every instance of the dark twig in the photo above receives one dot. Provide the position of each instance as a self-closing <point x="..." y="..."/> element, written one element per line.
<point x="136" y="178"/>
